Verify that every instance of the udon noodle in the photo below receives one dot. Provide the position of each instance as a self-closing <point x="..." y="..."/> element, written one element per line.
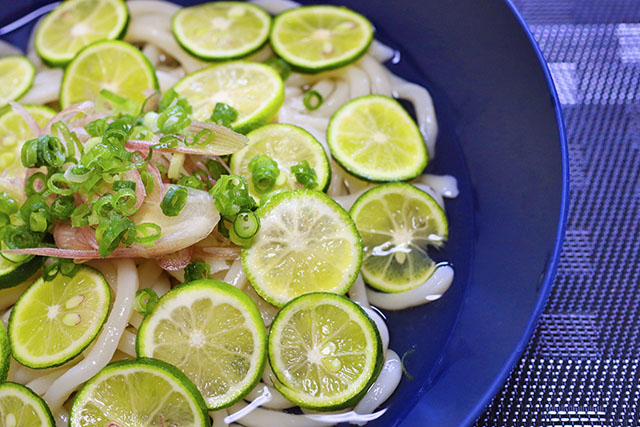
<point x="150" y="30"/>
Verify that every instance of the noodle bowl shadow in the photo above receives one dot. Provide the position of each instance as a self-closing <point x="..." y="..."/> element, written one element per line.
<point x="501" y="136"/>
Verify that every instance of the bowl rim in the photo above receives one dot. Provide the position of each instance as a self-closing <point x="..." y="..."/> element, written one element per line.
<point x="548" y="280"/>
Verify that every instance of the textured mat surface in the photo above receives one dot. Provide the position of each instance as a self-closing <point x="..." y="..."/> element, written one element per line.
<point x="582" y="366"/>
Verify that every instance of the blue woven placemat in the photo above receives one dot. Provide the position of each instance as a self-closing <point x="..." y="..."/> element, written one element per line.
<point x="582" y="366"/>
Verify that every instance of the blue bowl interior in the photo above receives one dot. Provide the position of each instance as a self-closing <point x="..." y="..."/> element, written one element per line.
<point x="501" y="137"/>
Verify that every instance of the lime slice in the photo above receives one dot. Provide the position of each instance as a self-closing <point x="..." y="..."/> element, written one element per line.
<point x="398" y="222"/>
<point x="21" y="407"/>
<point x="77" y="23"/>
<point x="306" y="243"/>
<point x="324" y="351"/>
<point x="139" y="393"/>
<point x="318" y="38"/>
<point x="212" y="332"/>
<point x="113" y="65"/>
<point x="255" y="90"/>
<point x="374" y="138"/>
<point x="5" y="353"/>
<point x="221" y="30"/>
<point x="54" y="321"/>
<point x="16" y="77"/>
<point x="14" y="131"/>
<point x="14" y="273"/>
<point x="288" y="145"/>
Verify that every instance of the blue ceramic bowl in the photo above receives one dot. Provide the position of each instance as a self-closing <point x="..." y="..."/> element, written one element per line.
<point x="501" y="135"/>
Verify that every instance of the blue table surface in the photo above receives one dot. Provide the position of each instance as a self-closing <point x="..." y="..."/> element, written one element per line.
<point x="580" y="369"/>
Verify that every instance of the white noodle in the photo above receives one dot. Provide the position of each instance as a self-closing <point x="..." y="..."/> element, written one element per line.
<point x="5" y="318"/>
<point x="31" y="49"/>
<point x="381" y="325"/>
<point x="138" y="8"/>
<point x="423" y="105"/>
<point x="7" y="49"/>
<point x="324" y="87"/>
<point x="46" y="87"/>
<point x="359" y="84"/>
<point x="41" y="384"/>
<point x="107" y="342"/>
<point x="136" y="319"/>
<point x="378" y="75"/>
<point x="236" y="276"/>
<point x="358" y="292"/>
<point x="274" y="7"/>
<point x="148" y="273"/>
<point x="331" y="103"/>
<point x="430" y="191"/>
<point x="429" y="291"/>
<point x="267" y="311"/>
<point x="277" y="401"/>
<point x="165" y="80"/>
<point x="127" y="344"/>
<point x="152" y="53"/>
<point x="446" y="185"/>
<point x="267" y="418"/>
<point x="162" y="285"/>
<point x="380" y="51"/>
<point x="61" y="416"/>
<point x="144" y="31"/>
<point x="218" y="417"/>
<point x="383" y="387"/>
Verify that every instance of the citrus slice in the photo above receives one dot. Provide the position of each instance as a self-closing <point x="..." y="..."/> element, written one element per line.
<point x="374" y="138"/>
<point x="212" y="332"/>
<point x="5" y="354"/>
<point x="21" y="407"/>
<point x="14" y="273"/>
<point x="221" y="30"/>
<point x="14" y="131"/>
<point x="77" y="23"/>
<point x="255" y="90"/>
<point x="324" y="351"/>
<point x="113" y="65"/>
<point x="16" y="77"/>
<point x="398" y="222"/>
<point x="288" y="145"/>
<point x="306" y="243"/>
<point x="53" y="321"/>
<point x="318" y="38"/>
<point x="139" y="392"/>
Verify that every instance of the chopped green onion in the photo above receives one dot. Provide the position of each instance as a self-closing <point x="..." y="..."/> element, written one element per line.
<point x="146" y="300"/>
<point x="232" y="196"/>
<point x="280" y="66"/>
<point x="20" y="237"/>
<point x="404" y="369"/>
<point x="96" y="128"/>
<point x="224" y="114"/>
<point x="119" y="185"/>
<point x="173" y="120"/>
<point x="264" y="173"/>
<point x="63" y="266"/>
<point x="147" y="181"/>
<point x="147" y="233"/>
<point x="305" y="174"/>
<point x="204" y="137"/>
<point x="4" y="220"/>
<point x="111" y="101"/>
<point x="34" y="203"/>
<point x="58" y="184"/>
<point x="69" y="137"/>
<point x="77" y="174"/>
<point x="202" y="176"/>
<point x="216" y="168"/>
<point x="124" y="201"/>
<point x="192" y="182"/>
<point x="103" y="206"/>
<point x="38" y="222"/>
<point x="142" y="133"/>
<point x="68" y="268"/>
<point x="246" y="224"/>
<point x="174" y="200"/>
<point x="110" y="233"/>
<point x="245" y="243"/>
<point x="167" y="141"/>
<point x="312" y="100"/>
<point x="46" y="150"/>
<point x="223" y="228"/>
<point x="196" y="270"/>
<point x="170" y="99"/>
<point x="79" y="216"/>
<point x="50" y="271"/>
<point x="30" y="184"/>
<point x="8" y="205"/>
<point x="62" y="207"/>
